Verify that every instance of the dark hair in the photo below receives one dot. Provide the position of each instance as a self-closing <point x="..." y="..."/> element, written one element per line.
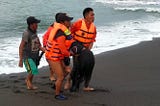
<point x="86" y="11"/>
<point x="61" y="17"/>
<point x="56" y="16"/>
<point x="31" y="19"/>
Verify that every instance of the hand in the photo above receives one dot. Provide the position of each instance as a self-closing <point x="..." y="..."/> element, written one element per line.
<point x="20" y="63"/>
<point x="73" y="50"/>
<point x="69" y="37"/>
<point x="71" y="53"/>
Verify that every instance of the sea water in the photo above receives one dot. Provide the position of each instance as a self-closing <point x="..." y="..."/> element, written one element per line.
<point x="120" y="23"/>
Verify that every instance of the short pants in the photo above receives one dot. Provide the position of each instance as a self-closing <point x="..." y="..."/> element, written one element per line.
<point x="30" y="66"/>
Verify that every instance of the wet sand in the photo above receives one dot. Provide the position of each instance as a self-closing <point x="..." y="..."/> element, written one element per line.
<point x="124" y="77"/>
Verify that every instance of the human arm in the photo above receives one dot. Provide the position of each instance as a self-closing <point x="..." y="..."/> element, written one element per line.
<point x="76" y="26"/>
<point x="93" y="40"/>
<point x="21" y="47"/>
<point x="42" y="49"/>
<point x="24" y="40"/>
<point x="46" y="36"/>
<point x="62" y="47"/>
<point x="90" y="46"/>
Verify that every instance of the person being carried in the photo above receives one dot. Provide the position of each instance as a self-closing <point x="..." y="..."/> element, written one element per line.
<point x="29" y="51"/>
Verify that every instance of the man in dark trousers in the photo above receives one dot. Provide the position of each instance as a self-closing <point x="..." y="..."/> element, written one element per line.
<point x="84" y="32"/>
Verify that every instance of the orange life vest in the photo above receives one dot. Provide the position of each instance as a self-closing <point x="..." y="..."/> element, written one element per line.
<point x="53" y="51"/>
<point x="85" y="35"/>
<point x="46" y="35"/>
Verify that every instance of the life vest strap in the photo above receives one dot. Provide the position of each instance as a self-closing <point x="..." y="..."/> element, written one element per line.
<point x="86" y="31"/>
<point x="83" y="37"/>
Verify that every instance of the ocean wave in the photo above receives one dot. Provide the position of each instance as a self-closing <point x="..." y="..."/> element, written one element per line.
<point x="123" y="34"/>
<point x="150" y="6"/>
<point x="139" y="9"/>
<point x="110" y="37"/>
<point x="129" y="2"/>
<point x="131" y="8"/>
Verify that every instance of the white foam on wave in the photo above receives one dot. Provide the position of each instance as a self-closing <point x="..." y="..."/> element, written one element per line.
<point x="111" y="37"/>
<point x="146" y="9"/>
<point x="125" y="34"/>
<point x="9" y="58"/>
<point x="133" y="5"/>
<point x="9" y="55"/>
<point x="129" y="2"/>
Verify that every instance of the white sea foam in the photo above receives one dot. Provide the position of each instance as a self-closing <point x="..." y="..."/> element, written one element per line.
<point x="134" y="5"/>
<point x="113" y="36"/>
<point x="117" y="35"/>
<point x="125" y="34"/>
<point x="130" y="2"/>
<point x="146" y="9"/>
<point x="9" y="57"/>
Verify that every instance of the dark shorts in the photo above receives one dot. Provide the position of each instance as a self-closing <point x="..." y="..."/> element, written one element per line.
<point x="66" y="61"/>
<point x="30" y="66"/>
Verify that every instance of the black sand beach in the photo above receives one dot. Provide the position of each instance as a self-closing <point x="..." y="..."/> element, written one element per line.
<point x="123" y="77"/>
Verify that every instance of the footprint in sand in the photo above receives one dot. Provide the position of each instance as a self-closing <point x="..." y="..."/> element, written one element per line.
<point x="13" y="76"/>
<point x="16" y="81"/>
<point x="16" y="89"/>
<point x="44" y="77"/>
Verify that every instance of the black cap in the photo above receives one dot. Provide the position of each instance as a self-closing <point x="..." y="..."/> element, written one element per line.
<point x="56" y="16"/>
<point x="31" y="20"/>
<point x="61" y="17"/>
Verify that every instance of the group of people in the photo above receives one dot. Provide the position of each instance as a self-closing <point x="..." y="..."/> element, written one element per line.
<point x="61" y="40"/>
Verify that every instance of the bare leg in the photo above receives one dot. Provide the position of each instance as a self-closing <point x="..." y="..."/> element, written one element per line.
<point x="29" y="80"/>
<point x="58" y="69"/>
<point x="51" y="77"/>
<point x="68" y="82"/>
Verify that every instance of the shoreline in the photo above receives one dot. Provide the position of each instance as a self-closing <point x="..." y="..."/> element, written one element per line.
<point x="123" y="77"/>
<point x="21" y="70"/>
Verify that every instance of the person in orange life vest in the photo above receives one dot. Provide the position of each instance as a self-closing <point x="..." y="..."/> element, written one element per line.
<point x="56" y="50"/>
<point x="44" y="40"/>
<point x="84" y="32"/>
<point x="66" y="59"/>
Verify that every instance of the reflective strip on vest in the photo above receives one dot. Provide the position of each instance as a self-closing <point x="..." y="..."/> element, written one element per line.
<point x="67" y="32"/>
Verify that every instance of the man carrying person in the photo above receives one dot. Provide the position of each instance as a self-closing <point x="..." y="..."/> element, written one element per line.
<point x="57" y="50"/>
<point x="84" y="32"/>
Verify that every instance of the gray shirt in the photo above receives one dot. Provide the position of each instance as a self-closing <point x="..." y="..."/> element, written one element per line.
<point x="32" y="44"/>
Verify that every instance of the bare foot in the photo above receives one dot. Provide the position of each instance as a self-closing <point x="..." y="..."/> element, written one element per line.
<point x="52" y="79"/>
<point x="88" y="89"/>
<point x="30" y="86"/>
<point x="68" y="69"/>
<point x="67" y="85"/>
